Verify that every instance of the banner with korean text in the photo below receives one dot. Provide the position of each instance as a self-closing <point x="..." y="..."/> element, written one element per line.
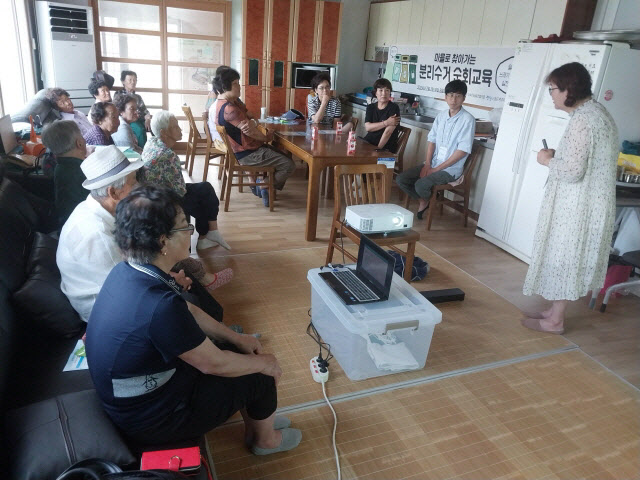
<point x="425" y="70"/>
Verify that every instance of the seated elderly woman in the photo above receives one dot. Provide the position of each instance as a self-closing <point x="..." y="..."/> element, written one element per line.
<point x="129" y="81"/>
<point x="322" y="107"/>
<point x="162" y="167"/>
<point x="100" y="90"/>
<point x="159" y="376"/>
<point x="61" y="101"/>
<point x="127" y="105"/>
<point x="105" y="123"/>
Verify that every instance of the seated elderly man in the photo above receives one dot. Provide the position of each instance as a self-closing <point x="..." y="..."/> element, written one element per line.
<point x="61" y="101"/>
<point x="162" y="168"/>
<point x="87" y="250"/>
<point x="65" y="141"/>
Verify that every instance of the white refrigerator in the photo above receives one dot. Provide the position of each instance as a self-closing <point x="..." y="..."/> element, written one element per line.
<point x="515" y="184"/>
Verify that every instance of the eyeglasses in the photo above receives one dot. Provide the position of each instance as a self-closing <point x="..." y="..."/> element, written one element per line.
<point x="190" y="228"/>
<point x="328" y="87"/>
<point x="551" y="89"/>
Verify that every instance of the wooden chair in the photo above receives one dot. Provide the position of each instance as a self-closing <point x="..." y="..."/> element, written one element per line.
<point x="461" y="187"/>
<point x="403" y="138"/>
<point x="221" y="164"/>
<point x="196" y="141"/>
<point x="364" y="184"/>
<point x="242" y="172"/>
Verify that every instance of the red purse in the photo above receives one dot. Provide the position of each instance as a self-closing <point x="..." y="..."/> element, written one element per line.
<point x="185" y="460"/>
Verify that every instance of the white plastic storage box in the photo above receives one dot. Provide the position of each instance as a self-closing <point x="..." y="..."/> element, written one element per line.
<point x="406" y="315"/>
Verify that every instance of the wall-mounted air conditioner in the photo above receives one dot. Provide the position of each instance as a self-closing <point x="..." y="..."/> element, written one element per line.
<point x="67" y="49"/>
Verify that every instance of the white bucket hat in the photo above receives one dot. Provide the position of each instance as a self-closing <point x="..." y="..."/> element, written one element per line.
<point x="105" y="166"/>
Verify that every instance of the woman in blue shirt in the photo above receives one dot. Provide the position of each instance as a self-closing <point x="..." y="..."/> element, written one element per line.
<point x="159" y="375"/>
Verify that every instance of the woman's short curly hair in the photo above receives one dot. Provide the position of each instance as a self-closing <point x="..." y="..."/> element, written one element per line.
<point x="99" y="111"/>
<point x="145" y="215"/>
<point x="95" y="85"/>
<point x="54" y="94"/>
<point x="120" y="101"/>
<point x="319" y="78"/>
<point x="224" y="78"/>
<point x="575" y="79"/>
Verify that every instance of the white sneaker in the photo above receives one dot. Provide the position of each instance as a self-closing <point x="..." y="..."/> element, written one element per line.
<point x="204" y="243"/>
<point x="216" y="237"/>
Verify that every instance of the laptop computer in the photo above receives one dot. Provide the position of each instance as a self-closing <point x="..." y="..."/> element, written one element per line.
<point x="371" y="280"/>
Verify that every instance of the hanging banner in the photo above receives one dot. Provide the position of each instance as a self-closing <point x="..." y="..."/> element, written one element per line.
<point x="425" y="70"/>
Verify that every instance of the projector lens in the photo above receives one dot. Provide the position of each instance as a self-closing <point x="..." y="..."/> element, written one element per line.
<point x="397" y="220"/>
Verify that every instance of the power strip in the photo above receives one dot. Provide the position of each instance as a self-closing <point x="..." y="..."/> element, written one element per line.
<point x="317" y="372"/>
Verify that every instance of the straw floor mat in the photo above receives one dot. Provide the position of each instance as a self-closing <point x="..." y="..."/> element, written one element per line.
<point x="560" y="416"/>
<point x="270" y="294"/>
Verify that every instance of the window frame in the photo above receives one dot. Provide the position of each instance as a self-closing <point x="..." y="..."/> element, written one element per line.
<point x="221" y="6"/>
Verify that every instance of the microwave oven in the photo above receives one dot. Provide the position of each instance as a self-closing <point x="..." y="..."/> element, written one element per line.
<point x="304" y="73"/>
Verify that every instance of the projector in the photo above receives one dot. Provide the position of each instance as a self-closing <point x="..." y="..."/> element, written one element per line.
<point x="378" y="218"/>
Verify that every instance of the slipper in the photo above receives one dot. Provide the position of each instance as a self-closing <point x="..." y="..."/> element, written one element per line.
<point x="291" y="438"/>
<point x="279" y="423"/>
<point x="220" y="278"/>
<point x="421" y="212"/>
<point x="534" y="324"/>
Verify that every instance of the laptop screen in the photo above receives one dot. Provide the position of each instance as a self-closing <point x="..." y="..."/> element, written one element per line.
<point x="375" y="264"/>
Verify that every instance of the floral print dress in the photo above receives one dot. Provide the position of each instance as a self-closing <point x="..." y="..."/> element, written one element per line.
<point x="162" y="166"/>
<point x="575" y="225"/>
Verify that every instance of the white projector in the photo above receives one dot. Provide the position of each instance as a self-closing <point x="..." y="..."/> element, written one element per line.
<point x="378" y="217"/>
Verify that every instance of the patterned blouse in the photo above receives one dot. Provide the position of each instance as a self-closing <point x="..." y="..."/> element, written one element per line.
<point x="95" y="136"/>
<point x="162" y="166"/>
<point x="333" y="110"/>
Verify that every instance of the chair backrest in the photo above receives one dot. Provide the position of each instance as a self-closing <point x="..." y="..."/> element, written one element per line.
<point x="193" y="128"/>
<point x="464" y="181"/>
<point x="355" y="121"/>
<point x="231" y="156"/>
<point x="403" y="138"/>
<point x="360" y="184"/>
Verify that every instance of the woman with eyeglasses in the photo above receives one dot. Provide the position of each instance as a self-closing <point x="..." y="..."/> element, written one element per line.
<point x="575" y="224"/>
<point x="160" y="376"/>
<point x="322" y="107"/>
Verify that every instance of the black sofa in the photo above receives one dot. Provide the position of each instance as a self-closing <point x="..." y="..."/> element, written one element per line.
<point x="50" y="418"/>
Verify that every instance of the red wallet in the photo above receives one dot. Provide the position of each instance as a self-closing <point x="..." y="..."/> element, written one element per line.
<point x="179" y="459"/>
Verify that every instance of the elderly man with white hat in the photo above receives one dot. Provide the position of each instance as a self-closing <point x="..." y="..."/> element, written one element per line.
<point x="87" y="250"/>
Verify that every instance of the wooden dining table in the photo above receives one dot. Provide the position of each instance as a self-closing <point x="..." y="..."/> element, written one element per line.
<point x="327" y="150"/>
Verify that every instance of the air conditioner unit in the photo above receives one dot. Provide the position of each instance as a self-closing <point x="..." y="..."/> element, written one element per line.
<point x="67" y="49"/>
<point x="378" y="217"/>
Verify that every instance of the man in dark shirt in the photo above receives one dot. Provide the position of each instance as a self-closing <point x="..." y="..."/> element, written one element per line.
<point x="382" y="117"/>
<point x="65" y="141"/>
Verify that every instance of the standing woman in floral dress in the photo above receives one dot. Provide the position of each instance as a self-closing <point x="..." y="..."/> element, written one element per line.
<point x="575" y="225"/>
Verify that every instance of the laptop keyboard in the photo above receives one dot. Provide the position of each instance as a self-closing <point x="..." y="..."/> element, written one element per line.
<point x="355" y="286"/>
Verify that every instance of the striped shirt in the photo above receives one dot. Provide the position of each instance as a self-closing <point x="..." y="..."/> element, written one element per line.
<point x="333" y="110"/>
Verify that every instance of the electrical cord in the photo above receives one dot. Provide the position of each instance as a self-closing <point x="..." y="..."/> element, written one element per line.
<point x="335" y="426"/>
<point x="313" y="333"/>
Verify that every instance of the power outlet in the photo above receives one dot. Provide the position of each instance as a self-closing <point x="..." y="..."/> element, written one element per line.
<point x="316" y="371"/>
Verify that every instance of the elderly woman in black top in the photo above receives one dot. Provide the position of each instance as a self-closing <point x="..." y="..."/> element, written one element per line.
<point x="105" y="123"/>
<point x="382" y="117"/>
<point x="158" y="374"/>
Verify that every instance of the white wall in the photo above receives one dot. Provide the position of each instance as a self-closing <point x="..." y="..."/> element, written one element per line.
<point x="617" y="15"/>
<point x="353" y="40"/>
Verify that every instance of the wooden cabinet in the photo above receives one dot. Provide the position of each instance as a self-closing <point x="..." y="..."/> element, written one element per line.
<point x="277" y="33"/>
<point x="267" y="48"/>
